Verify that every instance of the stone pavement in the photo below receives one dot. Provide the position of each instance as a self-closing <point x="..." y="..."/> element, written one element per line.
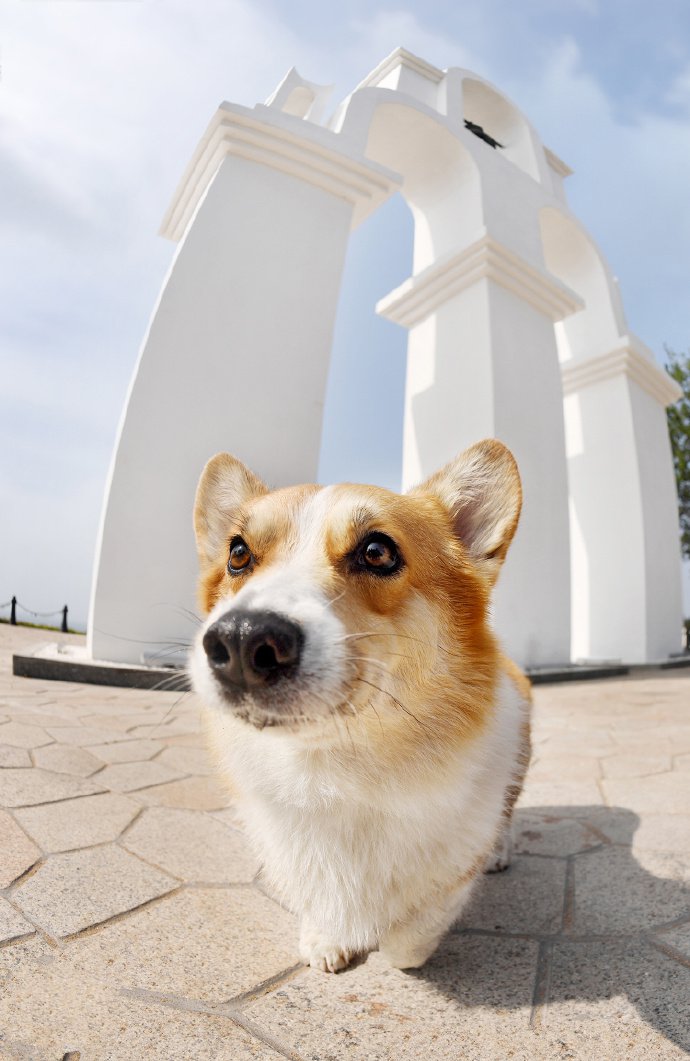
<point x="133" y="924"/>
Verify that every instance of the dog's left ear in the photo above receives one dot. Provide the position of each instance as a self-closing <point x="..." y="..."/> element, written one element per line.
<point x="481" y="490"/>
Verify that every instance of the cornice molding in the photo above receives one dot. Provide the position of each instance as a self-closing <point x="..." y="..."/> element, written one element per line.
<point x="401" y="57"/>
<point x="557" y="164"/>
<point x="299" y="152"/>
<point x="485" y="259"/>
<point x="624" y="360"/>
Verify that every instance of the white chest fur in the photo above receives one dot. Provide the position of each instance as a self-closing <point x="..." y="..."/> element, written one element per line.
<point x="355" y="851"/>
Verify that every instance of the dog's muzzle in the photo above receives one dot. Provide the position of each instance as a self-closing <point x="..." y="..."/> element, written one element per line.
<point x="249" y="650"/>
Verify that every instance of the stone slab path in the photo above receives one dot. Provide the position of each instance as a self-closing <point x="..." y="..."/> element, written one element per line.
<point x="133" y="924"/>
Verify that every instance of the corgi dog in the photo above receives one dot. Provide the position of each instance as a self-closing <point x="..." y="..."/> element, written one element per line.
<point x="374" y="737"/>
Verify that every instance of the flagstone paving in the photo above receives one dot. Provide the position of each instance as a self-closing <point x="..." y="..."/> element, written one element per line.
<point x="134" y="925"/>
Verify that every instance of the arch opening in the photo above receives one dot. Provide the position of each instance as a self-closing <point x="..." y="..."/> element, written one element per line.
<point x="362" y="434"/>
<point x="486" y="108"/>
<point x="571" y="255"/>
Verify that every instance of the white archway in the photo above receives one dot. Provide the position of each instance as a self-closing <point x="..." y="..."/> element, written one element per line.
<point x="237" y="352"/>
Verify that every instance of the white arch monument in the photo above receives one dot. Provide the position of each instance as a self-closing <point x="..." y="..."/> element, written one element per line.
<point x="509" y="309"/>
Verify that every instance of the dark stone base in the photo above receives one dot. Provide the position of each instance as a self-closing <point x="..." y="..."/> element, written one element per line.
<point x="50" y="668"/>
<point x="583" y="672"/>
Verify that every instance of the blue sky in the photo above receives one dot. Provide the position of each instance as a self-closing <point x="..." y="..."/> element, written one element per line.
<point x="101" y="105"/>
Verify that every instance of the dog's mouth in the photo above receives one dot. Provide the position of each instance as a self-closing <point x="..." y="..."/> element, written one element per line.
<point x="285" y="703"/>
<point x="264" y="671"/>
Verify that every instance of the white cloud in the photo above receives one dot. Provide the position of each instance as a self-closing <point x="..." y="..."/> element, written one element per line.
<point x="629" y="186"/>
<point x="678" y="94"/>
<point x="377" y="36"/>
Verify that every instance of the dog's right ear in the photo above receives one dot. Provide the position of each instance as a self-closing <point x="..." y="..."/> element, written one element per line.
<point x="481" y="491"/>
<point x="225" y="484"/>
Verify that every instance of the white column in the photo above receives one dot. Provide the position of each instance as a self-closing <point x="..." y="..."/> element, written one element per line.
<point x="482" y="362"/>
<point x="626" y="555"/>
<point x="236" y="357"/>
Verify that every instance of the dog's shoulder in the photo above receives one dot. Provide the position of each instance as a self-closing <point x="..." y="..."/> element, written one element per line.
<point x="517" y="679"/>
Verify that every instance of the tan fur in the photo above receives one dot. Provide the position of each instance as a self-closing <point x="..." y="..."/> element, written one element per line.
<point x="423" y="678"/>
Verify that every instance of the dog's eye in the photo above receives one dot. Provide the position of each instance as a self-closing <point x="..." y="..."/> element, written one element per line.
<point x="240" y="557"/>
<point x="379" y="554"/>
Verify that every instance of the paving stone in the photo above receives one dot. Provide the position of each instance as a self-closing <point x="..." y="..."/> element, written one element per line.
<point x="67" y="760"/>
<point x="28" y="953"/>
<point x="193" y="793"/>
<point x="74" y="823"/>
<point x="49" y="1013"/>
<point x="17" y="852"/>
<point x="11" y="757"/>
<point x="642" y="742"/>
<point x="681" y="762"/>
<point x="472" y="1000"/>
<point x="12" y="924"/>
<point x="634" y="765"/>
<point x="178" y="727"/>
<point x="585" y="744"/>
<point x="616" y="893"/>
<point x="552" y="795"/>
<point x="551" y="835"/>
<point x="53" y="717"/>
<point x="72" y="891"/>
<point x="229" y="816"/>
<point x="151" y="717"/>
<point x="100" y="711"/>
<point x="527" y="898"/>
<point x="185" y="740"/>
<point x="667" y="738"/>
<point x="617" y="824"/>
<point x="23" y="788"/>
<point x="188" y="760"/>
<point x="119" y="723"/>
<point x="678" y="939"/>
<point x="192" y="846"/>
<point x="207" y="944"/>
<point x="560" y="768"/>
<point x="130" y="751"/>
<point x="18" y="735"/>
<point x="652" y="832"/>
<point x="663" y="794"/>
<point x="82" y="736"/>
<point x="620" y="1000"/>
<point x="126" y="777"/>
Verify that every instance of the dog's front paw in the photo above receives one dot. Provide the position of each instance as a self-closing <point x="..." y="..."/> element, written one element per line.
<point x="328" y="959"/>
<point x="501" y="856"/>
<point x="321" y="952"/>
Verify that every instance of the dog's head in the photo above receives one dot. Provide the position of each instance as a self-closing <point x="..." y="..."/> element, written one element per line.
<point x="352" y="602"/>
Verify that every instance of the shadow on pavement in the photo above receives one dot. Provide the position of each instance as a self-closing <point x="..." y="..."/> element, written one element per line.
<point x="604" y="927"/>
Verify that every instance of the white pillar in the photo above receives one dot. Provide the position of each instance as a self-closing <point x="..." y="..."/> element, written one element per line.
<point x="236" y="357"/>
<point x="482" y="362"/>
<point x="626" y="554"/>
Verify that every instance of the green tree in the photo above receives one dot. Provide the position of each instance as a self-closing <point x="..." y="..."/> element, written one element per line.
<point x="678" y="368"/>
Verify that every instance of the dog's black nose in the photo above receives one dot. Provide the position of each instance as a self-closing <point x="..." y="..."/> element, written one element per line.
<point x="246" y="649"/>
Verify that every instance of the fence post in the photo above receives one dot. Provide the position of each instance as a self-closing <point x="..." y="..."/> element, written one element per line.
<point x="64" y="620"/>
<point x="13" y="612"/>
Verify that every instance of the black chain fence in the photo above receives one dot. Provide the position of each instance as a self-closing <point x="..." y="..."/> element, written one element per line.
<point x="13" y="604"/>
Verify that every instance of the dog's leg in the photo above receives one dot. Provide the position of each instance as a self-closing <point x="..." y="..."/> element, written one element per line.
<point x="409" y="944"/>
<point x="320" y="950"/>
<point x="501" y="856"/>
